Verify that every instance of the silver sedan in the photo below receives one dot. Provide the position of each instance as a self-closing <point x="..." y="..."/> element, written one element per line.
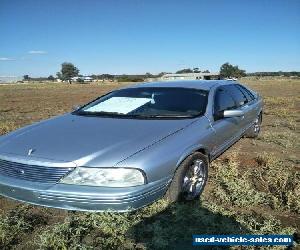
<point x="129" y="147"/>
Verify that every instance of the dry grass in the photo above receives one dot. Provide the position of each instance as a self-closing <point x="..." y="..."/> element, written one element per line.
<point x="7" y="126"/>
<point x="254" y="189"/>
<point x="284" y="139"/>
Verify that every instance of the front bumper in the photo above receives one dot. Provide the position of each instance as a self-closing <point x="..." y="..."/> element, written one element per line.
<point x="84" y="198"/>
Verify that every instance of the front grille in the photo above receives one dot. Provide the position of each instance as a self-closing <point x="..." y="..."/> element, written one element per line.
<point x="32" y="172"/>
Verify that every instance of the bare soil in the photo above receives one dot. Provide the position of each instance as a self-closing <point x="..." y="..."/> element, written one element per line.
<point x="21" y="105"/>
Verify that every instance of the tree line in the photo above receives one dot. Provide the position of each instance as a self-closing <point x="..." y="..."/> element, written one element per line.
<point x="227" y="70"/>
<point x="278" y="73"/>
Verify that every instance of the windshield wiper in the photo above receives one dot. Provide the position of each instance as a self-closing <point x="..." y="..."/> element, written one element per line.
<point x="163" y="116"/>
<point x="117" y="114"/>
<point x="102" y="113"/>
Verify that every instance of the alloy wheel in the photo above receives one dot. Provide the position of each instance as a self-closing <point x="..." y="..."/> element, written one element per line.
<point x="194" y="180"/>
<point x="257" y="123"/>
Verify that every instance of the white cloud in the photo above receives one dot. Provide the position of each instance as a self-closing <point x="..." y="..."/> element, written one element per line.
<point x="6" y="59"/>
<point x="37" y="52"/>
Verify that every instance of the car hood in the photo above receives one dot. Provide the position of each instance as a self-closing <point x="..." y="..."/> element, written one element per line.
<point x="88" y="141"/>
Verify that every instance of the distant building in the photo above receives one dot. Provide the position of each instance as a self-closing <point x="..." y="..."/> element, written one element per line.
<point x="87" y="79"/>
<point x="10" y="79"/>
<point x="83" y="78"/>
<point x="190" y="76"/>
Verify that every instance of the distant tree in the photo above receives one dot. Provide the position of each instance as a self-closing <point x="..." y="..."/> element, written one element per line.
<point x="227" y="71"/>
<point x="161" y="74"/>
<point x="59" y="76"/>
<point x="26" y="78"/>
<point x="196" y="70"/>
<point x="106" y="77"/>
<point x="278" y="73"/>
<point x="183" y="71"/>
<point x="68" y="70"/>
<point x="148" y="75"/>
<point x="51" y="78"/>
<point x="130" y="78"/>
<point x="206" y="71"/>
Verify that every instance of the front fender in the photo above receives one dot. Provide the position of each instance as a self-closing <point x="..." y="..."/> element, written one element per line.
<point x="192" y="149"/>
<point x="163" y="158"/>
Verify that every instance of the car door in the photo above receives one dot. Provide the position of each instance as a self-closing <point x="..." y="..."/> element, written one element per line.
<point x="253" y="107"/>
<point x="227" y="129"/>
<point x="243" y="103"/>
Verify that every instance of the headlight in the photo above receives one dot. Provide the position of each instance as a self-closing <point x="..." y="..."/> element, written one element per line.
<point x="108" y="177"/>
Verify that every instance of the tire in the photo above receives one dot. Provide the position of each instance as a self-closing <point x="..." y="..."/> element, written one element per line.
<point x="254" y="130"/>
<point x="178" y="187"/>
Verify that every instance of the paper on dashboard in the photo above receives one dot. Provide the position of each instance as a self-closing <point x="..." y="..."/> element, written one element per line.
<point x="122" y="105"/>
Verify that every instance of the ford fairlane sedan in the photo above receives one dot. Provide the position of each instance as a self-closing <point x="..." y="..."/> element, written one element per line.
<point x="130" y="147"/>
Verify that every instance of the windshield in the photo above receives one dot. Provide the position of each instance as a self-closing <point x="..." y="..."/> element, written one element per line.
<point x="149" y="102"/>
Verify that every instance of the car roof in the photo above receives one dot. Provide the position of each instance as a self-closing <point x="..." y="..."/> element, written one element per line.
<point x="195" y="84"/>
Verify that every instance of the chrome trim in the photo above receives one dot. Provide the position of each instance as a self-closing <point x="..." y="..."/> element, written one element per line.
<point x="32" y="172"/>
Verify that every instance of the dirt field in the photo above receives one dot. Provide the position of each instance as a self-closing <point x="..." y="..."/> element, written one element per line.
<point x="254" y="187"/>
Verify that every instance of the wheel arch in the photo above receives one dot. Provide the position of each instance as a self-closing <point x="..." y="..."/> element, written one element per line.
<point x="174" y="190"/>
<point x="261" y="115"/>
<point x="199" y="148"/>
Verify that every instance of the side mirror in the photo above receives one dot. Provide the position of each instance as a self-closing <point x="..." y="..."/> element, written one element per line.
<point x="233" y="113"/>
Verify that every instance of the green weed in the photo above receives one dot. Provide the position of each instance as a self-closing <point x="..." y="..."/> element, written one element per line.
<point x="233" y="187"/>
<point x="280" y="183"/>
<point x="18" y="222"/>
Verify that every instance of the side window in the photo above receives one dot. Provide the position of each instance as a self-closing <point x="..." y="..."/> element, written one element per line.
<point x="237" y="95"/>
<point x="246" y="92"/>
<point x="223" y="101"/>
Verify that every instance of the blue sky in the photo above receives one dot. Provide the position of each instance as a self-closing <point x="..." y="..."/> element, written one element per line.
<point x="138" y="36"/>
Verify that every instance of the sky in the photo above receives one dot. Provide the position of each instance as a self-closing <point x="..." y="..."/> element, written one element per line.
<point x="139" y="36"/>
